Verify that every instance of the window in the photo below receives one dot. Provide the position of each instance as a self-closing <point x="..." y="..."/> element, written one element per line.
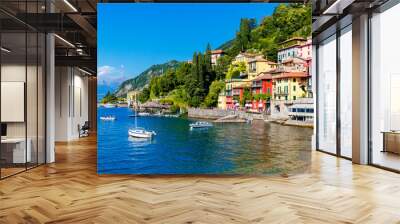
<point x="346" y="92"/>
<point x="294" y="97"/>
<point x="294" y="88"/>
<point x="294" y="79"/>
<point x="385" y="88"/>
<point x="326" y="135"/>
<point x="23" y="78"/>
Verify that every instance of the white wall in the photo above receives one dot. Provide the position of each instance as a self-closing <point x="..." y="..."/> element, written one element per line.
<point x="71" y="102"/>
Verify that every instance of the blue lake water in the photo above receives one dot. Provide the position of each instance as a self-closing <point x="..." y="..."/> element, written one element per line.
<point x="256" y="149"/>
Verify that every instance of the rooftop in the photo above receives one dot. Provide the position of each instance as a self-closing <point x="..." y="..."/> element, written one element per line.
<point x="218" y="51"/>
<point x="282" y="75"/>
<point x="263" y="76"/>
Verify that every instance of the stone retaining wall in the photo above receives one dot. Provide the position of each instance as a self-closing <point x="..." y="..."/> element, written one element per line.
<point x="218" y="113"/>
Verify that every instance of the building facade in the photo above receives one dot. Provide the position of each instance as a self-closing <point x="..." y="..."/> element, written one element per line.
<point x="215" y="54"/>
<point x="259" y="65"/>
<point x="262" y="91"/>
<point x="291" y="48"/>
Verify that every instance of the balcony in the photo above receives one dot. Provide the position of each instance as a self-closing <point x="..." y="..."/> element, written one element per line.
<point x="256" y="85"/>
<point x="243" y="75"/>
<point x="281" y="94"/>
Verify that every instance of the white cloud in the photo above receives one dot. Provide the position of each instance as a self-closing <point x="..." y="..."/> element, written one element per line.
<point x="110" y="75"/>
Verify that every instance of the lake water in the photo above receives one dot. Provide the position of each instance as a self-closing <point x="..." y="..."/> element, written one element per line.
<point x="256" y="149"/>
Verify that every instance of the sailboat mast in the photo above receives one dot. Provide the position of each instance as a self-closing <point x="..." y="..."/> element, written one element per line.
<point x="136" y="113"/>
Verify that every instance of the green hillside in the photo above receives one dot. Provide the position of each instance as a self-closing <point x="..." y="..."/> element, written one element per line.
<point x="144" y="78"/>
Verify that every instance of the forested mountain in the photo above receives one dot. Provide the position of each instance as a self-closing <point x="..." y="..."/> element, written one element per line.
<point x="144" y="78"/>
<point x="287" y="20"/>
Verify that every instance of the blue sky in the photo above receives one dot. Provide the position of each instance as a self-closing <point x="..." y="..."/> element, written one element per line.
<point x="132" y="37"/>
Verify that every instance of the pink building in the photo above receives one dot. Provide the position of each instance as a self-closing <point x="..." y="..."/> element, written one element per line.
<point x="304" y="50"/>
<point x="215" y="54"/>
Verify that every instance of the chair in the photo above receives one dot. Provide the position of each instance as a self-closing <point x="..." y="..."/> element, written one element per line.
<point x="84" y="130"/>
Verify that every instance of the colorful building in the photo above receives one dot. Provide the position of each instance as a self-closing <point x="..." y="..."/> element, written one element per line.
<point x="289" y="85"/>
<point x="291" y="48"/>
<point x="215" y="54"/>
<point x="259" y="65"/>
<point x="222" y="101"/>
<point x="130" y="97"/>
<point x="262" y="85"/>
<point x="305" y="49"/>
<point x="294" y="64"/>
<point x="234" y="89"/>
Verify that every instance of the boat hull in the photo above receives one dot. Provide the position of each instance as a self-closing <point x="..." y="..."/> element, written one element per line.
<point x="140" y="135"/>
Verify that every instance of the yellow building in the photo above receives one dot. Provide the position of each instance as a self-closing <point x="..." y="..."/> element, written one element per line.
<point x="289" y="86"/>
<point x="259" y="65"/>
<point x="232" y="84"/>
<point x="255" y="64"/>
<point x="130" y="97"/>
<point x="222" y="102"/>
<point x="245" y="57"/>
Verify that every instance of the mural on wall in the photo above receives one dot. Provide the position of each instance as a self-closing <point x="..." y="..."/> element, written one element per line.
<point x="184" y="93"/>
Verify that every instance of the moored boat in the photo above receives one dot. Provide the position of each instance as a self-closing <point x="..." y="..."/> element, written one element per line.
<point x="138" y="132"/>
<point x="109" y="105"/>
<point x="200" y="124"/>
<point x="107" y="118"/>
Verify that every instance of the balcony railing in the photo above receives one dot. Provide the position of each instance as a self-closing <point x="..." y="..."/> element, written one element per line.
<point x="281" y="94"/>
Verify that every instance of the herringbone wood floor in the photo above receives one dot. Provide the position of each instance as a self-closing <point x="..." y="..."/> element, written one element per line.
<point x="70" y="191"/>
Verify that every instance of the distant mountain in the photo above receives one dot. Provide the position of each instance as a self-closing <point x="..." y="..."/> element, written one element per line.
<point x="144" y="78"/>
<point x="102" y="90"/>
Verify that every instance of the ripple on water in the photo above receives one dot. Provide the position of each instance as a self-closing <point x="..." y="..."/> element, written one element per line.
<point x="257" y="148"/>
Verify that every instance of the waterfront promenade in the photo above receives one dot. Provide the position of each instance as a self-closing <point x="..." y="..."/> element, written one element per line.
<point x="215" y="113"/>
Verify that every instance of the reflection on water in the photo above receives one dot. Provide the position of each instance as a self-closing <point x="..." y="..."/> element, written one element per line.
<point x="256" y="148"/>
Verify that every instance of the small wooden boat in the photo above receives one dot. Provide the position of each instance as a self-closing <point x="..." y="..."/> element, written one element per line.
<point x="200" y="124"/>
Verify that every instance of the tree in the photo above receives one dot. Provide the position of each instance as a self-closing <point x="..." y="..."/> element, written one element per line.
<point x="216" y="88"/>
<point x="247" y="96"/>
<point x="235" y="69"/>
<point x="155" y="87"/>
<point x="109" y="98"/>
<point x="222" y="66"/>
<point x="244" y="35"/>
<point x="144" y="95"/>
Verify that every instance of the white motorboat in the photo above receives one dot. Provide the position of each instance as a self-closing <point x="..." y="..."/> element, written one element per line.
<point x="107" y="118"/>
<point x="200" y="124"/>
<point x="109" y="105"/>
<point x="143" y="114"/>
<point x="138" y="132"/>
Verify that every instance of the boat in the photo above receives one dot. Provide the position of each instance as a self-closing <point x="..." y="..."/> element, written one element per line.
<point x="107" y="118"/>
<point x="138" y="132"/>
<point x="143" y="114"/>
<point x="200" y="124"/>
<point x="109" y="105"/>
